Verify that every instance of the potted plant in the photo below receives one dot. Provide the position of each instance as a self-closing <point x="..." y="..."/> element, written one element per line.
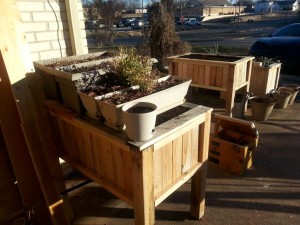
<point x="282" y="96"/>
<point x="261" y="107"/>
<point x="264" y="76"/>
<point x="138" y="81"/>
<point x="294" y="88"/>
<point x="222" y="73"/>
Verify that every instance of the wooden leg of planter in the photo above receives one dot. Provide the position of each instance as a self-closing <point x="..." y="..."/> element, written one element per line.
<point x="199" y="179"/>
<point x="230" y="94"/>
<point x="143" y="193"/>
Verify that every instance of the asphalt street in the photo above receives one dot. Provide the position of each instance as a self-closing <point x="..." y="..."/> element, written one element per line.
<point x="210" y="33"/>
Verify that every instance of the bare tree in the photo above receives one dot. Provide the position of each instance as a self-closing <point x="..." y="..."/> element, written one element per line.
<point x="104" y="13"/>
<point x="162" y="39"/>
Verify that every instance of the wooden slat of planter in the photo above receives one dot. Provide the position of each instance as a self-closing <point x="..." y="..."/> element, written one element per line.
<point x="177" y="157"/>
<point x="184" y="69"/>
<point x="186" y="151"/>
<point x="190" y="70"/>
<point x="107" y="160"/>
<point x="127" y="160"/>
<point x="166" y="159"/>
<point x="212" y="76"/>
<point x="157" y="168"/>
<point x="118" y="167"/>
<point x="219" y="76"/>
<point x="206" y="75"/>
<point x="194" y="142"/>
<point x="225" y="77"/>
<point x="84" y="147"/>
<point x="97" y="144"/>
<point x="195" y="75"/>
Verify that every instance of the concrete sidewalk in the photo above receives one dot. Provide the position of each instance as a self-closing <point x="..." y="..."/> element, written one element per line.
<point x="267" y="194"/>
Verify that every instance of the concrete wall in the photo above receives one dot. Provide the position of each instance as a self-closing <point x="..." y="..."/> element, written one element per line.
<point x="221" y="10"/>
<point x="47" y="32"/>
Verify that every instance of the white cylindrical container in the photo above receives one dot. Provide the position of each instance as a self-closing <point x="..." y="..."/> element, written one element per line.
<point x="139" y="119"/>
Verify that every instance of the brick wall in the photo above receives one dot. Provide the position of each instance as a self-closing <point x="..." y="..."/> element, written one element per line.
<point x="47" y="33"/>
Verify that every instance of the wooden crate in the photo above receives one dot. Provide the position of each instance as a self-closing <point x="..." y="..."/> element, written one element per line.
<point x="224" y="76"/>
<point x="264" y="79"/>
<point x="233" y="144"/>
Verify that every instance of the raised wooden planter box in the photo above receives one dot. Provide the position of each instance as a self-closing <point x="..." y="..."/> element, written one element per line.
<point x="264" y="79"/>
<point x="212" y="73"/>
<point x="60" y="85"/>
<point x="142" y="174"/>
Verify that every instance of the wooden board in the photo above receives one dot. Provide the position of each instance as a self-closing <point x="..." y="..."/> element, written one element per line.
<point x="11" y="205"/>
<point x="19" y="121"/>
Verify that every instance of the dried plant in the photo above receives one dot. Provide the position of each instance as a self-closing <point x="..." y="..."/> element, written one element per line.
<point x="131" y="69"/>
<point x="266" y="61"/>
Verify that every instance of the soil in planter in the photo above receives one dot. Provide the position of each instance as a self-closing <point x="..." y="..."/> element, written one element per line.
<point x="136" y="93"/>
<point x="75" y="69"/>
<point x="57" y="64"/>
<point x="263" y="99"/>
<point x="140" y="109"/>
<point x="94" y="84"/>
<point x="212" y="57"/>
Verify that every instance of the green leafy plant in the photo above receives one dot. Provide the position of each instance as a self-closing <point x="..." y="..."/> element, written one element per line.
<point x="131" y="69"/>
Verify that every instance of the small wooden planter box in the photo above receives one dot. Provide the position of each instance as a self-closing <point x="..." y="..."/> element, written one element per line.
<point x="142" y="174"/>
<point x="233" y="144"/>
<point x="264" y="79"/>
<point x="211" y="73"/>
<point x="60" y="85"/>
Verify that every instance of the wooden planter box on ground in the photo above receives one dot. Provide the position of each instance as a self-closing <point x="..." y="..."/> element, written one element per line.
<point x="223" y="76"/>
<point x="142" y="174"/>
<point x="264" y="79"/>
<point x="60" y="85"/>
<point x="233" y="144"/>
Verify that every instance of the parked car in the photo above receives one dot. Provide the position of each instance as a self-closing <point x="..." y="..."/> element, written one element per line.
<point x="139" y="24"/>
<point x="179" y="22"/>
<point x="192" y="22"/>
<point x="122" y="23"/>
<point x="283" y="45"/>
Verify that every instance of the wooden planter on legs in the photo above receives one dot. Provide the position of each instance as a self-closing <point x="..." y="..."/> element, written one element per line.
<point x="226" y="74"/>
<point x="142" y="174"/>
